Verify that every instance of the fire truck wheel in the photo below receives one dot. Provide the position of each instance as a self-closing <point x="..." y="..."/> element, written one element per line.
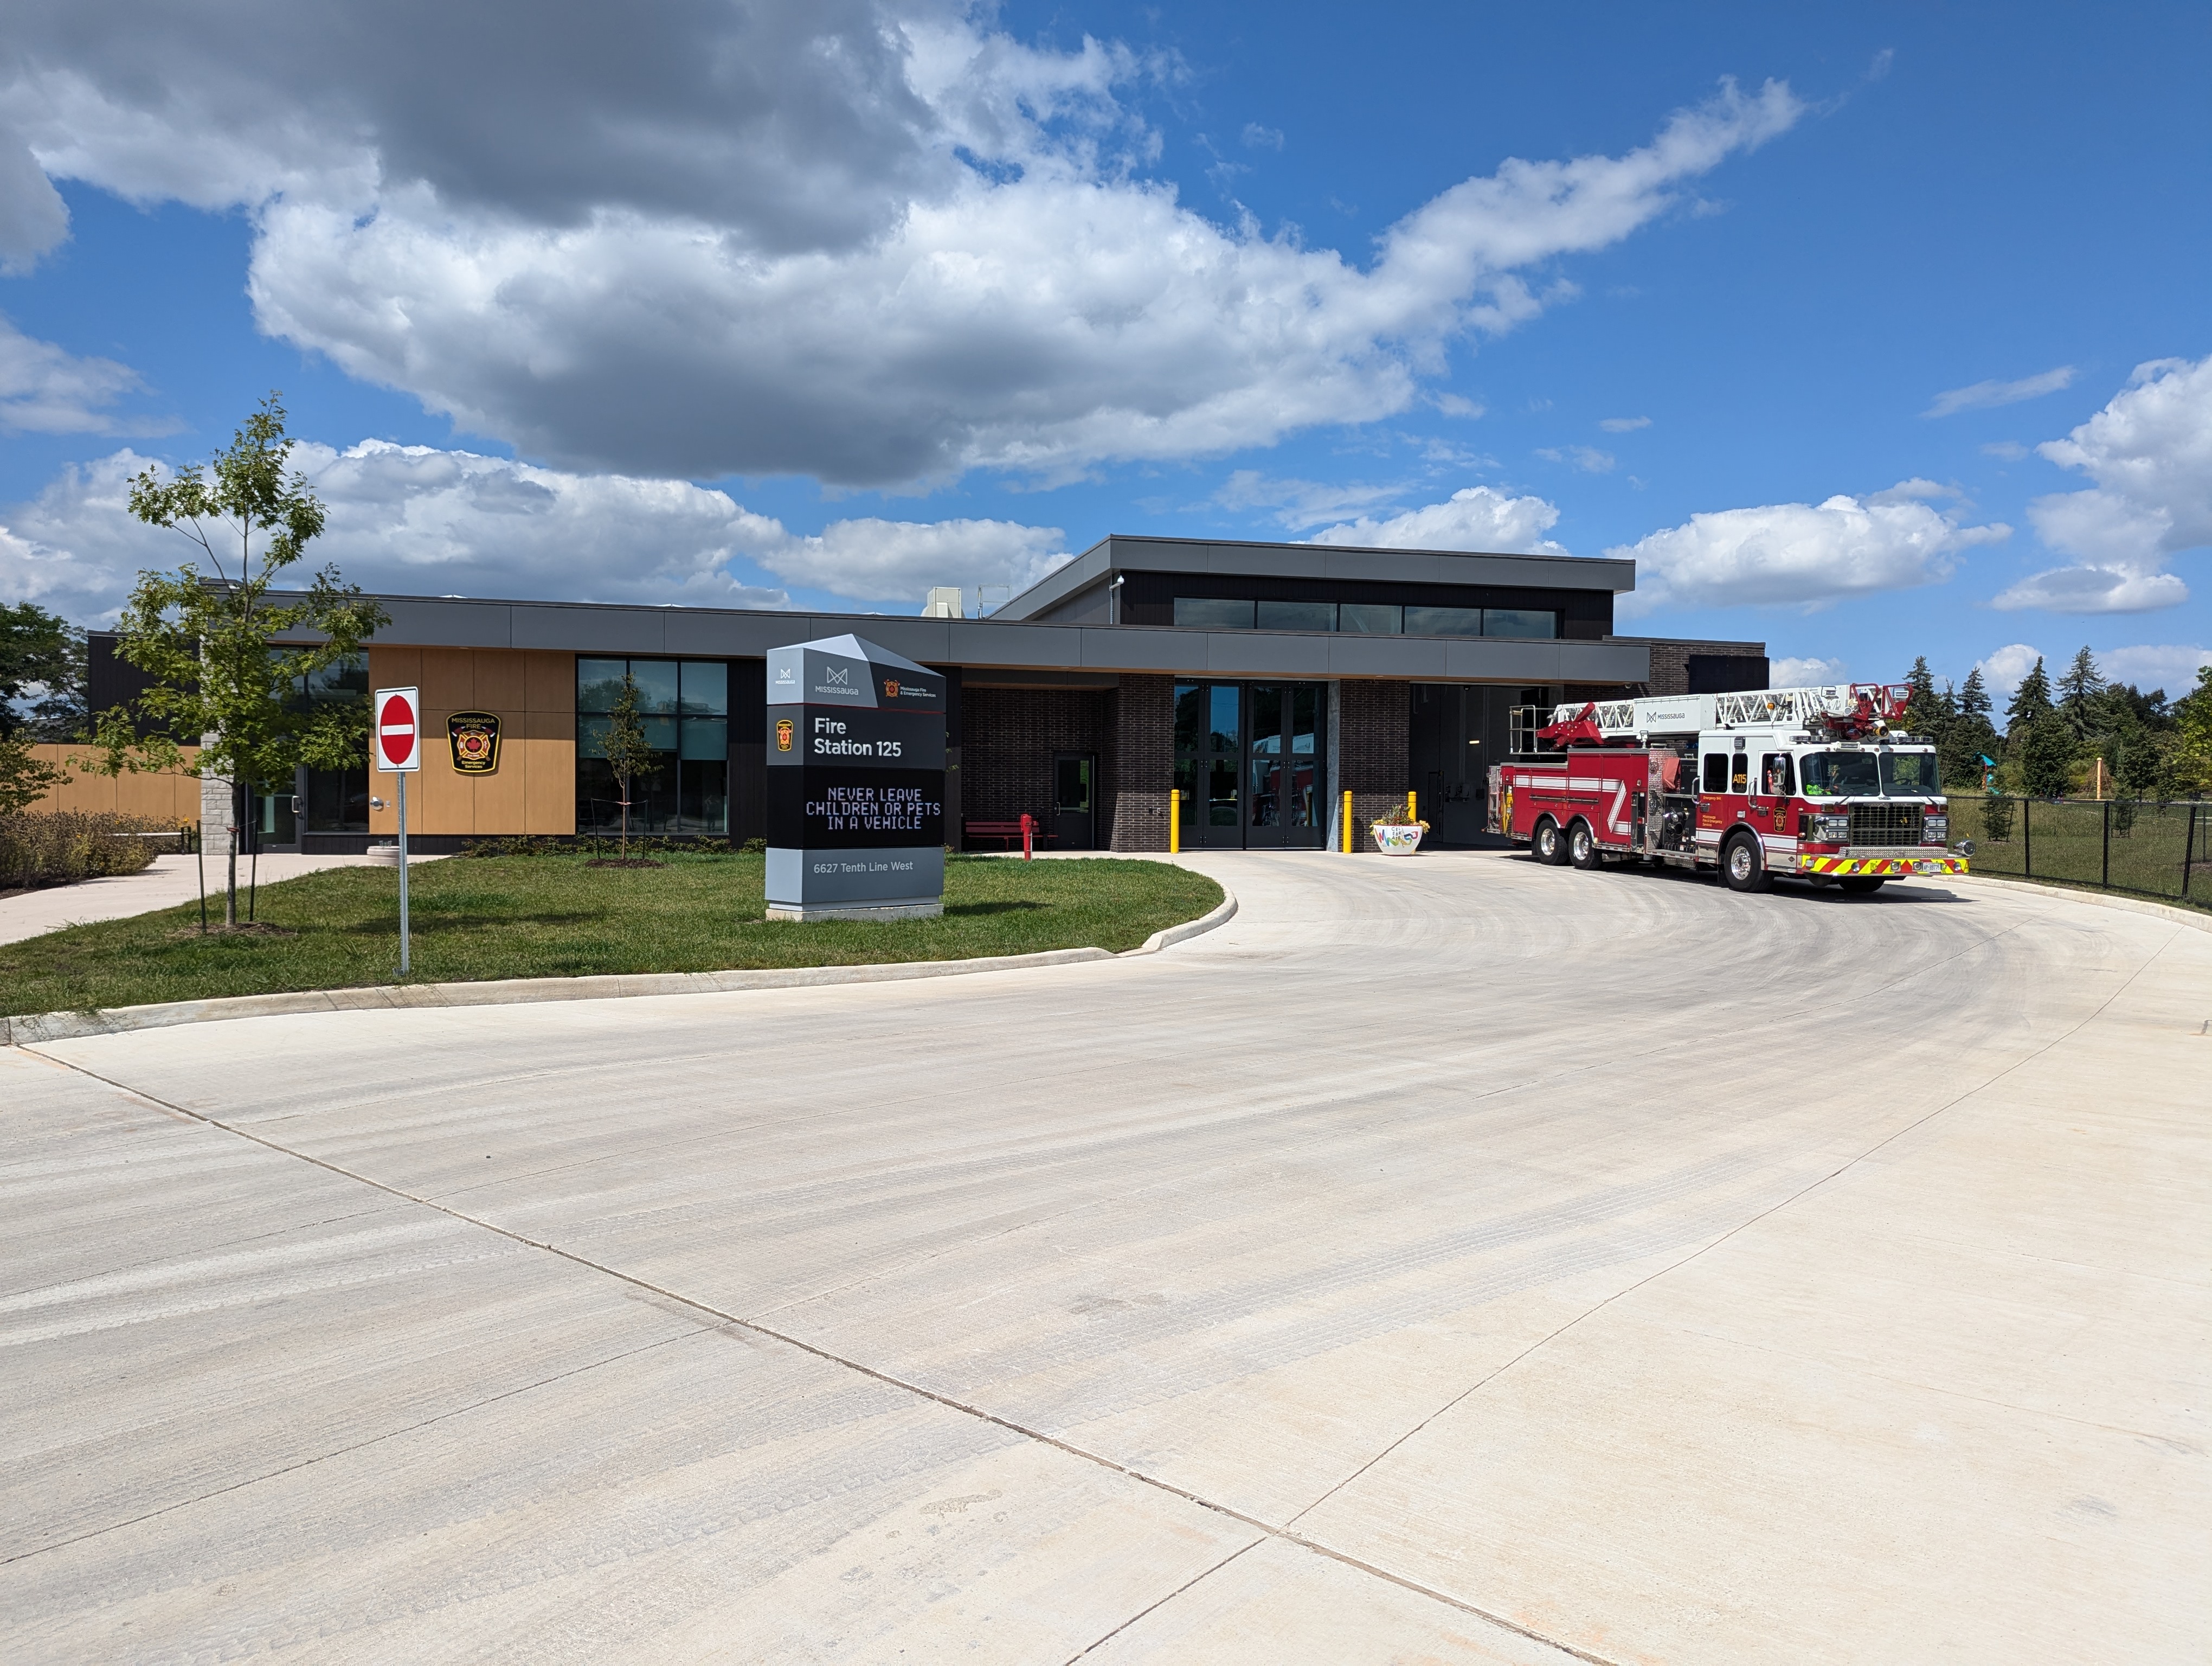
<point x="1858" y="887"/>
<point x="1549" y="847"/>
<point x="1582" y="848"/>
<point x="1743" y="865"/>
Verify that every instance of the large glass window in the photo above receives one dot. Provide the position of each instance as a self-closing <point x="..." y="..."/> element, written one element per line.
<point x="684" y="706"/>
<point x="1371" y="619"/>
<point x="1524" y="622"/>
<point x="336" y="800"/>
<point x="1298" y="616"/>
<point x="1212" y="613"/>
<point x="1443" y="622"/>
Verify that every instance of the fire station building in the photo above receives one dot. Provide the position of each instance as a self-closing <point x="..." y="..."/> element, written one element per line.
<point x="1264" y="680"/>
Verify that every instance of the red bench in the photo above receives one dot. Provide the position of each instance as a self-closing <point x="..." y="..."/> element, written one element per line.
<point x="1009" y="833"/>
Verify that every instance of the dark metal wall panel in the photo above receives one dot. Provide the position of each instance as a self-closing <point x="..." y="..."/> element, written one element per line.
<point x="587" y="629"/>
<point x="419" y="622"/>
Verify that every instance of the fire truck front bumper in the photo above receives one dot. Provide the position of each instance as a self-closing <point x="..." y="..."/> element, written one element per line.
<point x="1899" y="866"/>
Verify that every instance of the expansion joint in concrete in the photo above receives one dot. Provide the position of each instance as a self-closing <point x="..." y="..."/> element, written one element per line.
<point x="722" y="1318"/>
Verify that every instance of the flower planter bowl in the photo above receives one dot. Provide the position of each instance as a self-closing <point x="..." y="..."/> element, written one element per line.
<point x="1396" y="840"/>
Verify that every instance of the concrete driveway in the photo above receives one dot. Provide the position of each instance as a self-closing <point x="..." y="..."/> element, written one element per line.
<point x="1449" y="1259"/>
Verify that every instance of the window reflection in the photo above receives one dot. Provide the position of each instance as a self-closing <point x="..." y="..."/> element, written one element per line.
<point x="1224" y="732"/>
<point x="684" y="707"/>
<point x="1522" y="622"/>
<point x="1370" y="619"/>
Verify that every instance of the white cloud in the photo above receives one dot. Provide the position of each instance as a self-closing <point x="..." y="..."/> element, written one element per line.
<point x="33" y="216"/>
<point x="2114" y="589"/>
<point x="869" y="245"/>
<point x="1453" y="405"/>
<point x="2002" y="670"/>
<point x="1300" y="502"/>
<point x="2149" y="450"/>
<point x="1788" y="672"/>
<point x="1588" y="458"/>
<point x="1624" y="424"/>
<point x="1982" y="395"/>
<point x="2171" y="666"/>
<point x="1801" y="555"/>
<point x="901" y="558"/>
<point x="43" y="390"/>
<point x="1258" y="138"/>
<point x="409" y="520"/>
<point x="1475" y="519"/>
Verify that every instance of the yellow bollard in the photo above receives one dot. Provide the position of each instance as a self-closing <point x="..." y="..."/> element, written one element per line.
<point x="1345" y="823"/>
<point x="1175" y="821"/>
<point x="1412" y="804"/>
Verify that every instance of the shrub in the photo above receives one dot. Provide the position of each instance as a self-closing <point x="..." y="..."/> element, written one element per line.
<point x="57" y="846"/>
<point x="1996" y="820"/>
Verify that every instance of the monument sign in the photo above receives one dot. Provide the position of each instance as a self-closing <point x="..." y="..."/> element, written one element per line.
<point x="855" y="783"/>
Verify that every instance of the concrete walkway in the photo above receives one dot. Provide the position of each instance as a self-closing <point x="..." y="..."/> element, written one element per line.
<point x="1446" y="1260"/>
<point x="169" y="882"/>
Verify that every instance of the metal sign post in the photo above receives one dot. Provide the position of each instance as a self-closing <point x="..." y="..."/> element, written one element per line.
<point x="398" y="752"/>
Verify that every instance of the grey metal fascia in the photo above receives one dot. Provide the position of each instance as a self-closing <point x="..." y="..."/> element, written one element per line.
<point x="584" y="629"/>
<point x="1604" y="662"/>
<point x="418" y="622"/>
<point x="1266" y="654"/>
<point x="1138" y="648"/>
<point x="1038" y="646"/>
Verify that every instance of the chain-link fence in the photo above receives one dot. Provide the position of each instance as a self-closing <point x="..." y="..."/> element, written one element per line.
<point x="2140" y="846"/>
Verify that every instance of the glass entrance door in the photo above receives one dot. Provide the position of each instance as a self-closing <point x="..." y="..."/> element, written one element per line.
<point x="1249" y="762"/>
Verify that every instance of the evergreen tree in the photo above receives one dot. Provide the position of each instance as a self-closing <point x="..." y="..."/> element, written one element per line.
<point x="1974" y="696"/>
<point x="1923" y="710"/>
<point x="2030" y="701"/>
<point x="2046" y="756"/>
<point x="2078" y="689"/>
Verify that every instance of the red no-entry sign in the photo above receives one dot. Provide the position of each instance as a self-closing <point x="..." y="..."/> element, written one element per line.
<point x="398" y="724"/>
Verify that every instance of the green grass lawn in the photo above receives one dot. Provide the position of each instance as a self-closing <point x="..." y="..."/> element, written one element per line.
<point x="552" y="917"/>
<point x="2065" y="843"/>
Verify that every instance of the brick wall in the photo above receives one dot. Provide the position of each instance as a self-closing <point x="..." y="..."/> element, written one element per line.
<point x="1143" y="767"/>
<point x="1373" y="753"/>
<point x="1007" y="739"/>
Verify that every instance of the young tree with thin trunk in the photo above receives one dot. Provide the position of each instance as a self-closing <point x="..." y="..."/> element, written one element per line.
<point x="627" y="750"/>
<point x="223" y="646"/>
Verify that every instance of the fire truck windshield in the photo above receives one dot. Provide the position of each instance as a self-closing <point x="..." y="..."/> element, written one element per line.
<point x="1840" y="774"/>
<point x="1911" y="776"/>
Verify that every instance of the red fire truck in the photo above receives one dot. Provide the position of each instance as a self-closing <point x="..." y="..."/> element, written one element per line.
<point x="1811" y="784"/>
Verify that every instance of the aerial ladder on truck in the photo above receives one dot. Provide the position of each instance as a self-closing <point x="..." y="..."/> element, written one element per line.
<point x="1818" y="784"/>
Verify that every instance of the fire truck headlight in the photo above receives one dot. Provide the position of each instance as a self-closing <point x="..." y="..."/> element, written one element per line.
<point x="1832" y="829"/>
<point x="1938" y="829"/>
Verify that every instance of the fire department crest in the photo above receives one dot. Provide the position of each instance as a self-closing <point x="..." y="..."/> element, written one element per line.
<point x="783" y="734"/>
<point x="474" y="737"/>
<point x="890" y="688"/>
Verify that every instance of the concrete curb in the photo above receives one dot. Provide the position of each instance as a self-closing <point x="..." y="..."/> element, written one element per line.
<point x="2095" y="899"/>
<point x="22" y="1031"/>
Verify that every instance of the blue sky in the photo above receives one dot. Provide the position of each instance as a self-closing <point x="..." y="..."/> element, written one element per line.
<point x="1010" y="280"/>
